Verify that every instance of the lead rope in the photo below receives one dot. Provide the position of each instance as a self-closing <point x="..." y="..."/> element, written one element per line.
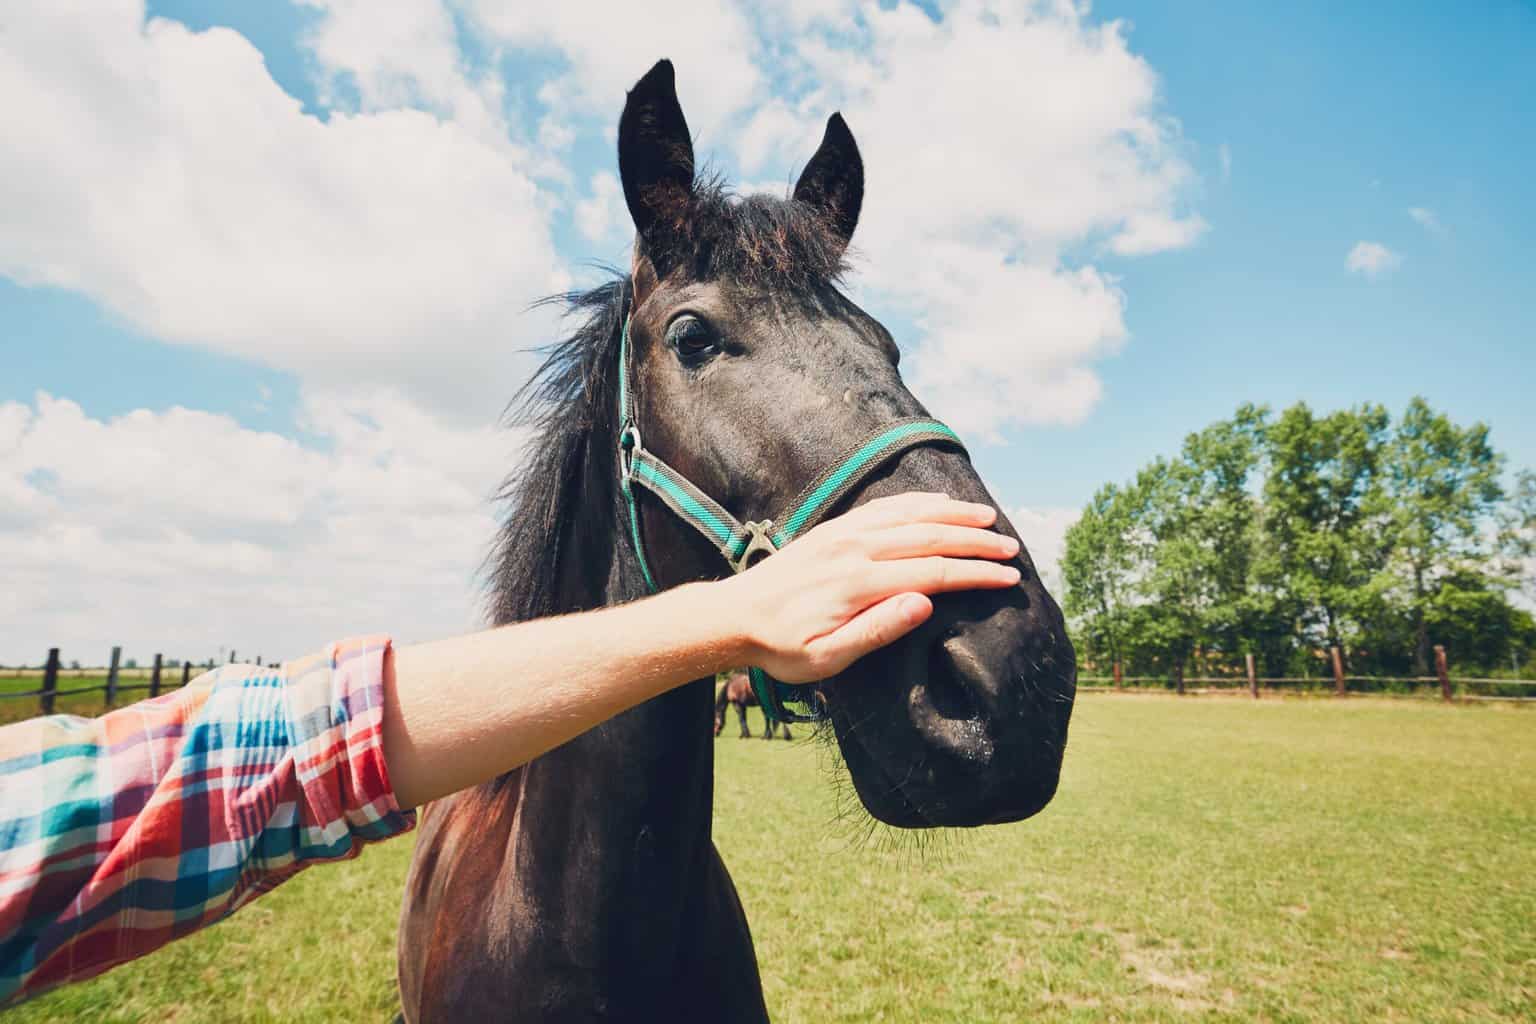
<point x="739" y="543"/>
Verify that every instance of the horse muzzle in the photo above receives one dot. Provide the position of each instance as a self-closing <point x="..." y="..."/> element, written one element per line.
<point x="964" y="722"/>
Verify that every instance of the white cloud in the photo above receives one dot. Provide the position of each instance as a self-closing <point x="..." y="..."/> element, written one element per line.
<point x="385" y="254"/>
<point x="180" y="530"/>
<point x="1044" y="533"/>
<point x="602" y="215"/>
<point x="1371" y="259"/>
<point x="1157" y="231"/>
<point x="605" y="51"/>
<point x="994" y="141"/>
<point x="167" y="176"/>
<point x="1426" y="219"/>
<point x="398" y="54"/>
<point x="400" y="243"/>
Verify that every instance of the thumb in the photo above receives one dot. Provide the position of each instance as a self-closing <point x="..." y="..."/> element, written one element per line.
<point x="879" y="624"/>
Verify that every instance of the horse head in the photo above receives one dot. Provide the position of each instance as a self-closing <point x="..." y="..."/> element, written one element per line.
<point x="752" y="372"/>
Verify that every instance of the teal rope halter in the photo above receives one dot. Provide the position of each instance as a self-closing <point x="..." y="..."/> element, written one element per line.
<point x="740" y="543"/>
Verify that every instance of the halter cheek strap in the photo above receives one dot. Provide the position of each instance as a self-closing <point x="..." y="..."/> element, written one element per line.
<point x="740" y="544"/>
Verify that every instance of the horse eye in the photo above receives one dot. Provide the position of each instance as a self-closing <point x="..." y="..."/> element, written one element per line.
<point x="691" y="337"/>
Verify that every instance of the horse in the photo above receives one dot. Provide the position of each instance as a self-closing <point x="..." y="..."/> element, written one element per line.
<point x="738" y="691"/>
<point x="585" y="885"/>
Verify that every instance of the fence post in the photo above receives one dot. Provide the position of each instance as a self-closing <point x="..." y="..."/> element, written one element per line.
<point x="186" y="672"/>
<point x="1178" y="676"/>
<point x="117" y="653"/>
<point x="1338" y="671"/>
<point x="50" y="681"/>
<point x="154" y="679"/>
<point x="1117" y="674"/>
<point x="1443" y="671"/>
<point x="1253" y="677"/>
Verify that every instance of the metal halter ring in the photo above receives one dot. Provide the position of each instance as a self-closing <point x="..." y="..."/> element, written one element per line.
<point x="629" y="443"/>
<point x="759" y="541"/>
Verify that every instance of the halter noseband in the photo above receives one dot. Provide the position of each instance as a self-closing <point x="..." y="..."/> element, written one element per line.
<point x="741" y="543"/>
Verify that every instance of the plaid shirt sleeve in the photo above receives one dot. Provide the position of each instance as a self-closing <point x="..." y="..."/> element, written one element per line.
<point x="123" y="832"/>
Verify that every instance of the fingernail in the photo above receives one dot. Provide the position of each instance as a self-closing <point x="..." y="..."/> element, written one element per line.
<point x="1009" y="546"/>
<point x="911" y="606"/>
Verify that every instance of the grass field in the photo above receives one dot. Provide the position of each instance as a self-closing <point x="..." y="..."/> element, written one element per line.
<point x="92" y="703"/>
<point x="1296" y="860"/>
<point x="18" y="708"/>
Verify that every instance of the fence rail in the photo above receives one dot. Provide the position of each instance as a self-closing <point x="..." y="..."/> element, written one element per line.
<point x="112" y="686"/>
<point x="52" y="673"/>
<point x="1254" y="683"/>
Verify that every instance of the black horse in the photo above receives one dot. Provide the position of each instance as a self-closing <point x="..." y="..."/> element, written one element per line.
<point x="737" y="691"/>
<point x="584" y="885"/>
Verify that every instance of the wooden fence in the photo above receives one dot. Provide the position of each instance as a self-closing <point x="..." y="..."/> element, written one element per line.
<point x="52" y="673"/>
<point x="1451" y="687"/>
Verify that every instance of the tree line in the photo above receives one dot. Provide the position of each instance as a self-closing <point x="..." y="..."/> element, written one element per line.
<point x="1281" y="536"/>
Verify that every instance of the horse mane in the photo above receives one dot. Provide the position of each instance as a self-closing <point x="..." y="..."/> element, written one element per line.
<point x="551" y="499"/>
<point x="560" y="502"/>
<point x="757" y="240"/>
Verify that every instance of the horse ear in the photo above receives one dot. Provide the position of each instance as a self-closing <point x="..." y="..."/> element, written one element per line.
<point x="833" y="181"/>
<point x="655" y="156"/>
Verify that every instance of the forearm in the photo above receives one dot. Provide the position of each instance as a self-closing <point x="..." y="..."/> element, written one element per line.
<point x="221" y="790"/>
<point x="461" y="711"/>
<point x="121" y="832"/>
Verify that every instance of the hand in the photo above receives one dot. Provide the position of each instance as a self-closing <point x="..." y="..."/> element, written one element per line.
<point x="857" y="582"/>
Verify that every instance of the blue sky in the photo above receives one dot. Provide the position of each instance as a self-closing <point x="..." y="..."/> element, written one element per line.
<point x="1339" y="120"/>
<point x="1283" y="142"/>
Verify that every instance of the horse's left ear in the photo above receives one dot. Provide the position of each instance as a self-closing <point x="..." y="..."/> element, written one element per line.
<point x="833" y="181"/>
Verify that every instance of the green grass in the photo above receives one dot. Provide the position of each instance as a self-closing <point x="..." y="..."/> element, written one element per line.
<point x="15" y="709"/>
<point x="1215" y="858"/>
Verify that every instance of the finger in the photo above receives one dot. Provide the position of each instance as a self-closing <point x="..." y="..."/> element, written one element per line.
<point x="873" y="628"/>
<point x="918" y="507"/>
<point x="937" y="575"/>
<point x="919" y="539"/>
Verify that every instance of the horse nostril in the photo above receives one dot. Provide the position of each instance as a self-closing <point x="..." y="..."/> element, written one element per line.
<point x="950" y="665"/>
<point x="944" y="707"/>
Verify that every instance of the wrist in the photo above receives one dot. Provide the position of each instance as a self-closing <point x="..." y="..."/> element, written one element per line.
<point x="730" y="633"/>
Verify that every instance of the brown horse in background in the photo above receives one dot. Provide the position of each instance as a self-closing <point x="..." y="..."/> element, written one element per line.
<point x="738" y="691"/>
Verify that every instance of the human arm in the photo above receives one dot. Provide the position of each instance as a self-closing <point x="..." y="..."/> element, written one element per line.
<point x="460" y="711"/>
<point x="121" y="833"/>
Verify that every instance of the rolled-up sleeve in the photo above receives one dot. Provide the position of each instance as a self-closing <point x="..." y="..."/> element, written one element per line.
<point x="123" y="832"/>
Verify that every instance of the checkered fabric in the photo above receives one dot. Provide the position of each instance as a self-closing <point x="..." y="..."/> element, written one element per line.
<point x="123" y="832"/>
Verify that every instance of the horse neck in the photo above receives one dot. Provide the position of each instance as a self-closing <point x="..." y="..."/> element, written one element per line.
<point x="622" y="812"/>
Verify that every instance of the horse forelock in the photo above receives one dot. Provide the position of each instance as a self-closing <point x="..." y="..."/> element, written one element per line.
<point x="756" y="240"/>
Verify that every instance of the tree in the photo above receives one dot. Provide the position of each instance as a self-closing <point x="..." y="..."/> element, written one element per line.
<point x="1097" y="567"/>
<point x="1518" y="535"/>
<point x="1276" y="536"/>
<point x="1178" y="580"/>
<point x="1222" y="521"/>
<point x="1443" y="485"/>
<point x="1471" y="615"/>
<point x="1326" y="514"/>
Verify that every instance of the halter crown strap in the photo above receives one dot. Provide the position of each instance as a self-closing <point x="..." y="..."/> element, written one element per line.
<point x="739" y="542"/>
